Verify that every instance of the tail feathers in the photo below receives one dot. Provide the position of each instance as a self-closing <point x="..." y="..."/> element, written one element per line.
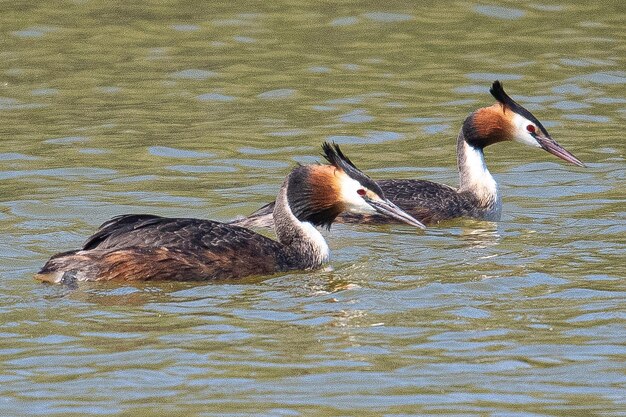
<point x="265" y="210"/>
<point x="263" y="217"/>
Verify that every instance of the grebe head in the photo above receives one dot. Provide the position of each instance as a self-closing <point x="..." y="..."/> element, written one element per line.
<point x="508" y="120"/>
<point x="319" y="193"/>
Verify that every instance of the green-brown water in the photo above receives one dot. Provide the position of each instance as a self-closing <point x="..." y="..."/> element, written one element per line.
<point x="201" y="108"/>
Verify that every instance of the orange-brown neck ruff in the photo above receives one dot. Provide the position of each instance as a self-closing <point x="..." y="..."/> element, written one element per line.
<point x="488" y="125"/>
<point x="314" y="193"/>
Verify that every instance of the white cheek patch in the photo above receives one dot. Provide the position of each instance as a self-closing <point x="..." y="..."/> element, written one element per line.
<point x="350" y="197"/>
<point x="520" y="133"/>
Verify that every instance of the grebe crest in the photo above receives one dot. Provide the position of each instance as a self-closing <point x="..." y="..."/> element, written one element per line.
<point x="317" y="194"/>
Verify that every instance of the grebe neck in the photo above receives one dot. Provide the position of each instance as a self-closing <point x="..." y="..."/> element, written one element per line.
<point x="474" y="177"/>
<point x="304" y="244"/>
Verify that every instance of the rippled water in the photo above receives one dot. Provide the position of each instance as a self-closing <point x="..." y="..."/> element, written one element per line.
<point x="200" y="109"/>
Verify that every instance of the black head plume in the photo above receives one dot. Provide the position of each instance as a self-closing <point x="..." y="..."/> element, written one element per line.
<point x="335" y="156"/>
<point x="497" y="91"/>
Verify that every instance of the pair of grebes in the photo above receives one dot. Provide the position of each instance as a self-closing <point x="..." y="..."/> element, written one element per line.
<point x="147" y="247"/>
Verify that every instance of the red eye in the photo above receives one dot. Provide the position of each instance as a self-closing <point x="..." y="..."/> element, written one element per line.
<point x="361" y="192"/>
<point x="530" y="128"/>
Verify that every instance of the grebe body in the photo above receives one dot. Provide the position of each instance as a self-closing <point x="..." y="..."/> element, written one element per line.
<point x="147" y="247"/>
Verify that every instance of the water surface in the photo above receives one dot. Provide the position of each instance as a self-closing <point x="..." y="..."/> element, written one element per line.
<point x="201" y="109"/>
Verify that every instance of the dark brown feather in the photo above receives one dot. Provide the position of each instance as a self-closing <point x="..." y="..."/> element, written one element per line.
<point x="141" y="247"/>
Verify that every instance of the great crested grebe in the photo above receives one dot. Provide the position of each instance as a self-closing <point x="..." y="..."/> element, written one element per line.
<point x="477" y="196"/>
<point x="147" y="247"/>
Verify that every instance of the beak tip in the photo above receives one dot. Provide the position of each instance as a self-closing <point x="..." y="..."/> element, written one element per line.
<point x="551" y="146"/>
<point x="391" y="210"/>
<point x="420" y="225"/>
<point x="416" y="223"/>
<point x="576" y="161"/>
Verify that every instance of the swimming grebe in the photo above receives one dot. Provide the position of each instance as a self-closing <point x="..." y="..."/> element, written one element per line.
<point x="477" y="196"/>
<point x="147" y="247"/>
